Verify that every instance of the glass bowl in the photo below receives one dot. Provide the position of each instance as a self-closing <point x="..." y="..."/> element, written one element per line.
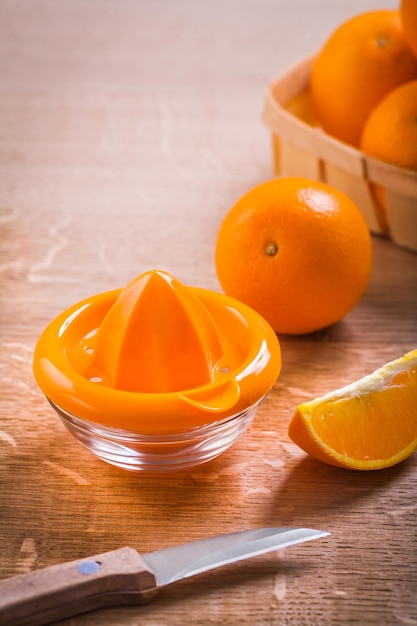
<point x="156" y="453"/>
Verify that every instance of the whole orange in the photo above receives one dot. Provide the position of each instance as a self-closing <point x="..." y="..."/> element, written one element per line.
<point x="390" y="133"/>
<point x="364" y="59"/>
<point x="408" y="10"/>
<point x="297" y="251"/>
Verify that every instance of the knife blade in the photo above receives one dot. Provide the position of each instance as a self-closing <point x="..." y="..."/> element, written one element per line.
<point x="124" y="577"/>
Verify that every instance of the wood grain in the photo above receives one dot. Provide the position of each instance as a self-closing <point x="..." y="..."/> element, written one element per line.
<point x="127" y="130"/>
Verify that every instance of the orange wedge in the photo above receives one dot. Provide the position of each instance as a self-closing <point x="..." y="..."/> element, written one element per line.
<point x="369" y="424"/>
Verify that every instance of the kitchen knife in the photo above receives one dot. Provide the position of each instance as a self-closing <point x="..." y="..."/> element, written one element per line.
<point x="123" y="576"/>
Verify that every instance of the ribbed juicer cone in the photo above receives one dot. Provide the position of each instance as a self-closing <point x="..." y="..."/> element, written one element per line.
<point x="157" y="337"/>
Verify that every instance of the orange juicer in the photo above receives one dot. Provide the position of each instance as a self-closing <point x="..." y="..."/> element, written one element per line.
<point x="157" y="375"/>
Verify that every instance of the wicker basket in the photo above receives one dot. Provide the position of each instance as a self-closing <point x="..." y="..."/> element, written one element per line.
<point x="301" y="148"/>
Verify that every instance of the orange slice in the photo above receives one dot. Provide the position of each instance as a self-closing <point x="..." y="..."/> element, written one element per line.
<point x="369" y="424"/>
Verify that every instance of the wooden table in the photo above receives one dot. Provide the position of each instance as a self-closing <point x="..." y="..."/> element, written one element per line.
<point x="127" y="130"/>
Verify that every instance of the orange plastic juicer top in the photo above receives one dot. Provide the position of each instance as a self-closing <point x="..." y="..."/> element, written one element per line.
<point x="157" y="356"/>
<point x="157" y="337"/>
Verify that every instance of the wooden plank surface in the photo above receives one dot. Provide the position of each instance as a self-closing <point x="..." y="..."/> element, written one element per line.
<point x="127" y="130"/>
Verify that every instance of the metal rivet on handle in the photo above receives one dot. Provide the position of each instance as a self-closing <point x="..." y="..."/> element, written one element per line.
<point x="88" y="567"/>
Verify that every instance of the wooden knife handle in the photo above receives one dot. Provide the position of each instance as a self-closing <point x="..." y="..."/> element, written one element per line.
<point x="114" y="578"/>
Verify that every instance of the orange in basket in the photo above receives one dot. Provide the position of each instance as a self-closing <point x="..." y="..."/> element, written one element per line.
<point x="297" y="251"/>
<point x="390" y="133"/>
<point x="363" y="60"/>
<point x="408" y="11"/>
<point x="369" y="424"/>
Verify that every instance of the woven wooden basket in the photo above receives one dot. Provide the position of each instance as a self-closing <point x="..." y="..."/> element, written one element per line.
<point x="301" y="148"/>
